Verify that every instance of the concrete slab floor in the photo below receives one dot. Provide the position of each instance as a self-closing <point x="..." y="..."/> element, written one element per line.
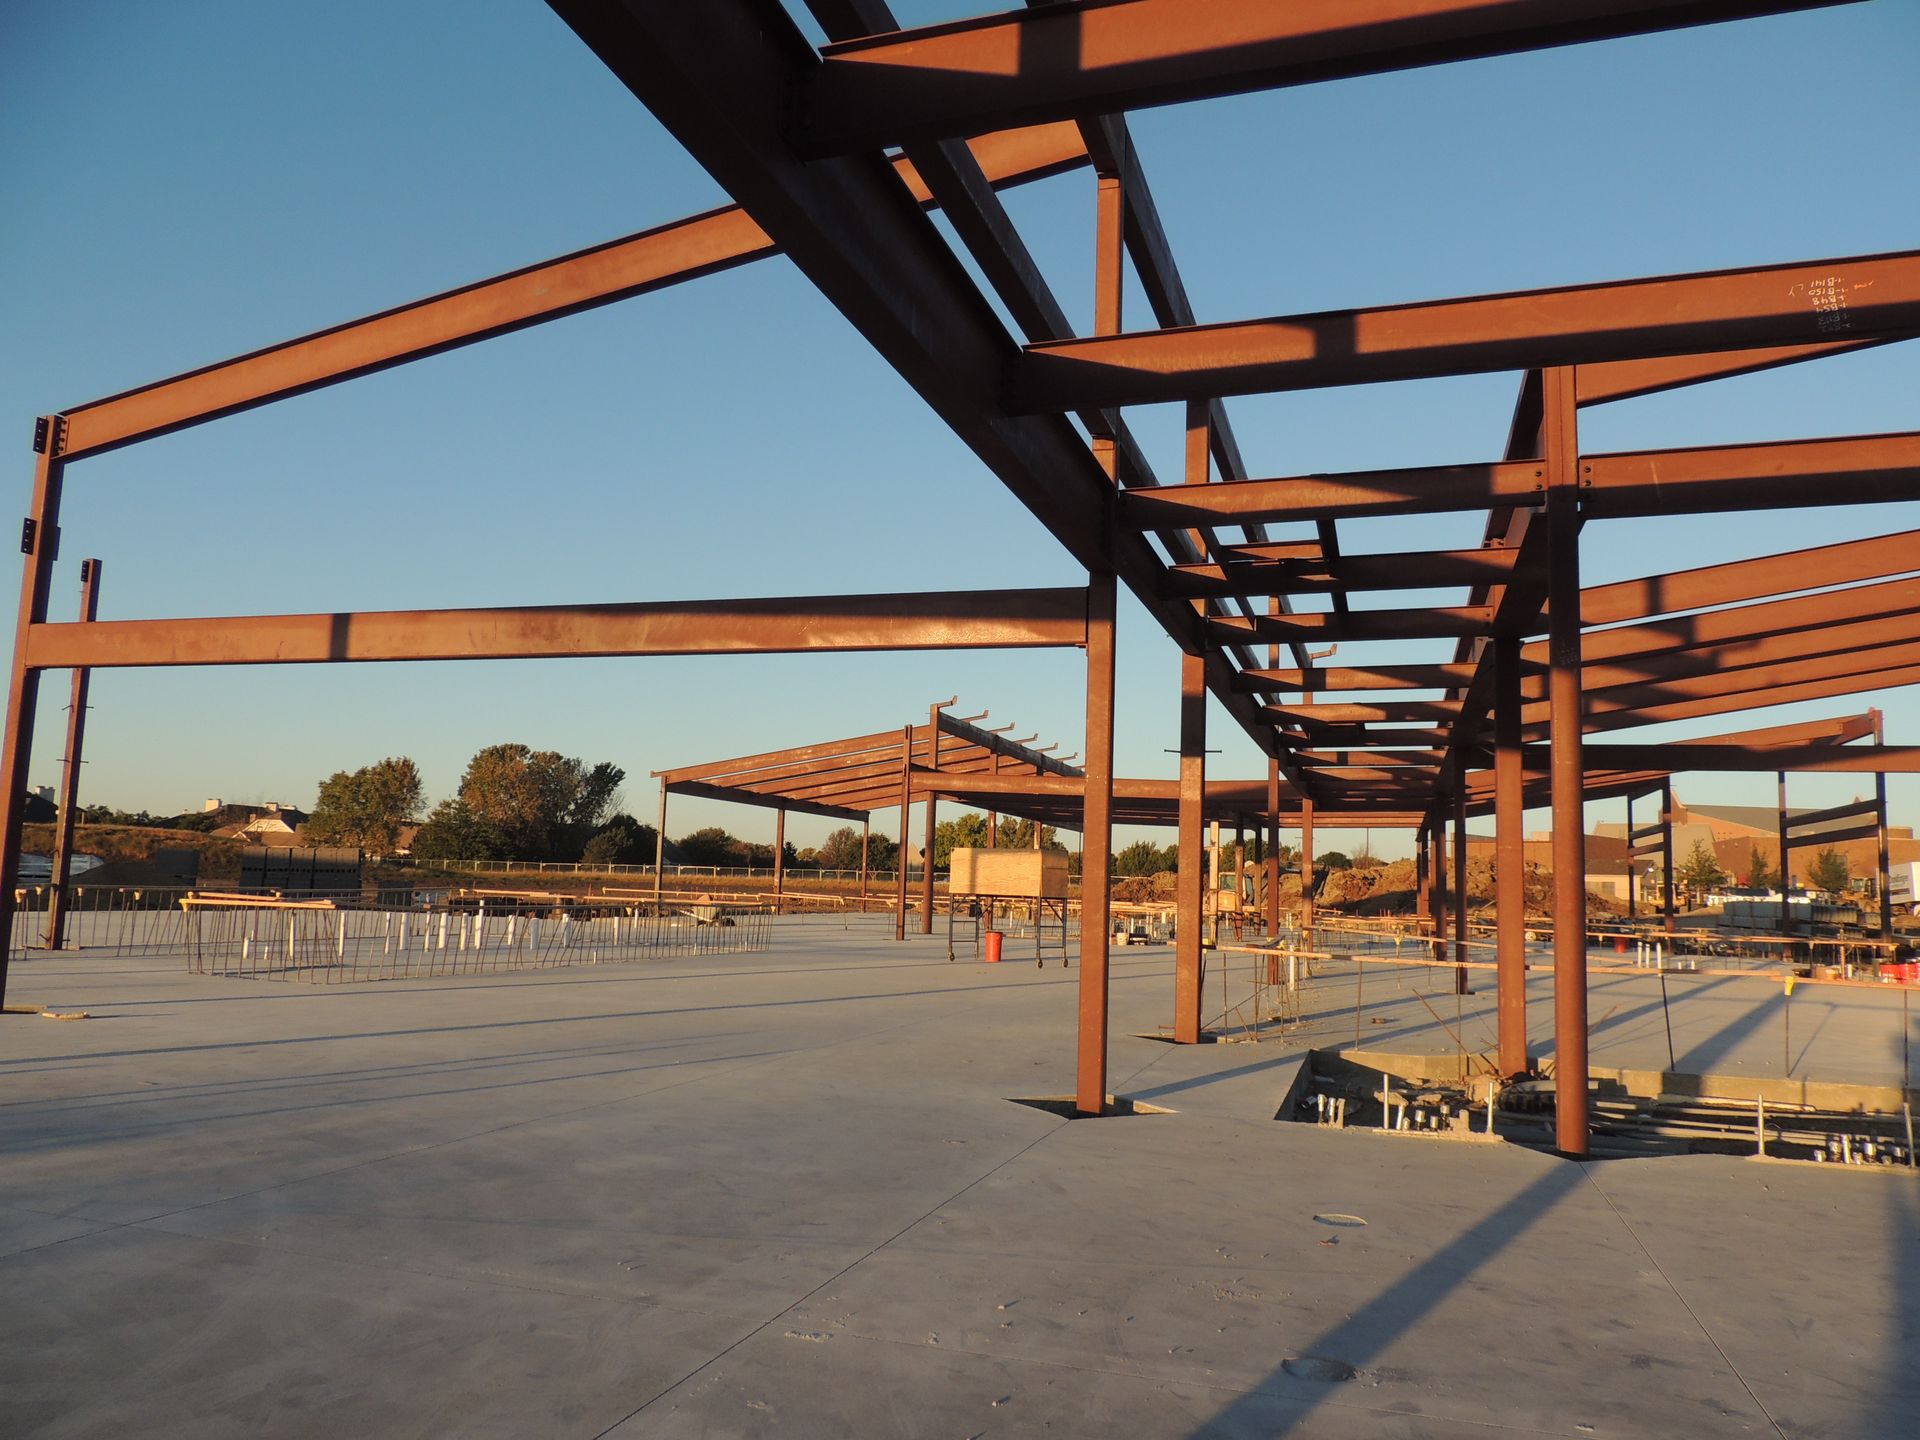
<point x="784" y="1194"/>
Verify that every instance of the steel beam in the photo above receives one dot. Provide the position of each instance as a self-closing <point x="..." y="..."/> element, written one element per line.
<point x="1083" y="59"/>
<point x="1853" y="297"/>
<point x="1626" y="379"/>
<point x="1755" y="579"/>
<point x="617" y="270"/>
<point x="1437" y="621"/>
<point x="989" y="619"/>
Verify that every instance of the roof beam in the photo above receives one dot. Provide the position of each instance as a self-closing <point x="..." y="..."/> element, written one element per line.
<point x="617" y="270"/>
<point x="1081" y="59"/>
<point x="1410" y="570"/>
<point x="964" y="620"/>
<point x="1356" y="677"/>
<point x="1755" y="579"/>
<point x="1855" y="297"/>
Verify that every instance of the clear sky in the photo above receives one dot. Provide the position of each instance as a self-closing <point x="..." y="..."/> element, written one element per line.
<point x="193" y="180"/>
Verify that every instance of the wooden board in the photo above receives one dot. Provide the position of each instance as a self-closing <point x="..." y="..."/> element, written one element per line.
<point x="1012" y="874"/>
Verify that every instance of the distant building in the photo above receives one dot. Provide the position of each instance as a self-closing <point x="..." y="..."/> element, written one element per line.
<point x="1732" y="833"/>
<point x="1607" y="867"/>
<point x="268" y="824"/>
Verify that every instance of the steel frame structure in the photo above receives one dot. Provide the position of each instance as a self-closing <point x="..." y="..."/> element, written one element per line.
<point x="799" y="135"/>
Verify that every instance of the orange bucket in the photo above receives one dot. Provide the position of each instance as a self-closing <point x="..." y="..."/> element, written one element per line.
<point x="994" y="940"/>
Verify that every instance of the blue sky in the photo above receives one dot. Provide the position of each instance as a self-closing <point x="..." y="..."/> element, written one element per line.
<point x="193" y="180"/>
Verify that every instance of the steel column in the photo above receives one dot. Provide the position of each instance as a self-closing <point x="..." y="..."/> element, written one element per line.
<point x="1885" y="877"/>
<point x="1666" y="857"/>
<point x="1442" y="884"/>
<point x="1096" y="911"/>
<point x="1786" y="861"/>
<point x="1631" y="873"/>
<point x="926" y="858"/>
<point x="906" y="833"/>
<point x="1189" y="880"/>
<point x="57" y="895"/>
<point x="779" y="860"/>
<point x="1460" y="887"/>
<point x="1561" y="462"/>
<point x="1273" y="847"/>
<point x="41" y="541"/>
<point x="1509" y="866"/>
<point x="660" y="847"/>
<point x="866" y="847"/>
<point x="1306" y="869"/>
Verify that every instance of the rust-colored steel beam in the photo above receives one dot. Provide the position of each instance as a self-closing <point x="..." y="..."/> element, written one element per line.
<point x="1733" y="704"/>
<point x="1625" y="379"/>
<point x="1852" y="297"/>
<point x="1891" y="600"/>
<point x="1856" y="470"/>
<point x="769" y="759"/>
<point x="1389" y="712"/>
<point x="1096" y="913"/>
<point x="991" y="619"/>
<point x="1083" y="59"/>
<point x="1415" y="570"/>
<point x="1679" y="756"/>
<point x="1356" y="677"/>
<point x="1853" y="470"/>
<point x="1755" y="579"/>
<point x="1413" y="624"/>
<point x="1826" y="650"/>
<point x="1757" y="681"/>
<point x="59" y="887"/>
<point x="702" y="790"/>
<point x="617" y="270"/>
<point x="1423" y="490"/>
<point x="1347" y="737"/>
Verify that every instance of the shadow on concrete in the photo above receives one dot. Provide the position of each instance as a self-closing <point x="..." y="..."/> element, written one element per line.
<point x="16" y="1066"/>
<point x="1702" y="1055"/>
<point x="1294" y="1056"/>
<point x="1303" y="1382"/>
<point x="51" y="1136"/>
<point x="360" y="1074"/>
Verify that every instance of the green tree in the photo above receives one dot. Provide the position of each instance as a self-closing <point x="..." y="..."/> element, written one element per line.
<point x="623" y="840"/>
<point x="367" y="807"/>
<point x="840" y="850"/>
<point x="709" y="846"/>
<point x="1142" y="857"/>
<point x="1828" y="871"/>
<point x="542" y="804"/>
<point x="967" y="829"/>
<point x="454" y="832"/>
<point x="1332" y="860"/>
<point x="1700" y="870"/>
<point x="1759" y="873"/>
<point x="1018" y="835"/>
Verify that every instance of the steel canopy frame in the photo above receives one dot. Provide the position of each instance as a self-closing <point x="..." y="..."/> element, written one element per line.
<point x="794" y="135"/>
